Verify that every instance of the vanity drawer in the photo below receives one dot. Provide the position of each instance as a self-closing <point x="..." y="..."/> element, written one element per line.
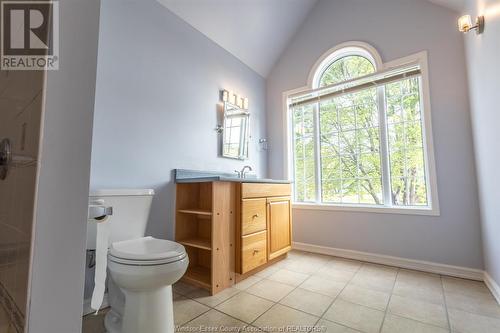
<point x="260" y="190"/>
<point x="253" y="251"/>
<point x="253" y="216"/>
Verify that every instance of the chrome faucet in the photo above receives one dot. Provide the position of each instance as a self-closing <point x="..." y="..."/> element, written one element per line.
<point x="243" y="171"/>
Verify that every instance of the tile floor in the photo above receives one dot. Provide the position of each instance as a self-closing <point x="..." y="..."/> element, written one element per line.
<point x="309" y="292"/>
<point x="5" y="326"/>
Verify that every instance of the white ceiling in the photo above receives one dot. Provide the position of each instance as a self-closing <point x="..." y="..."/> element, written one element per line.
<point x="254" y="31"/>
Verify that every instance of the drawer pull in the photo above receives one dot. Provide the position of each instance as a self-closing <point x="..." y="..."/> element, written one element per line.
<point x="255" y="216"/>
<point x="255" y="252"/>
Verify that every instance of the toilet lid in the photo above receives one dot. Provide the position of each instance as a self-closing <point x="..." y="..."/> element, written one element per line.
<point x="146" y="248"/>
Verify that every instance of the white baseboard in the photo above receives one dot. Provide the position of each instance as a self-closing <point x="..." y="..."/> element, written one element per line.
<point x="492" y="286"/>
<point x="86" y="305"/>
<point x="419" y="265"/>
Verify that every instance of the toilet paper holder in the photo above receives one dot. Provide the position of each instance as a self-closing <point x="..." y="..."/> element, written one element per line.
<point x="99" y="213"/>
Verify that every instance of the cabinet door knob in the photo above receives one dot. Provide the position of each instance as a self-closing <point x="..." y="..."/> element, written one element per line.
<point x="255" y="252"/>
<point x="255" y="216"/>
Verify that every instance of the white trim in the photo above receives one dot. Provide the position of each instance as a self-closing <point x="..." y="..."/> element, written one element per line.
<point x="419" y="265"/>
<point x="366" y="209"/>
<point x="86" y="305"/>
<point x="425" y="97"/>
<point x="287" y="166"/>
<point x="492" y="286"/>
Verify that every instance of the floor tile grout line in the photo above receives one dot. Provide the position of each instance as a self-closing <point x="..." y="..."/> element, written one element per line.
<point x="291" y="291"/>
<point x="278" y="302"/>
<point x="337" y="296"/>
<point x="220" y="311"/>
<point x="445" y="303"/>
<point x="473" y="313"/>
<point x="214" y="307"/>
<point x="389" y="301"/>
<point x="194" y="299"/>
<point x="309" y="275"/>
<point x="405" y="317"/>
<point x="190" y="320"/>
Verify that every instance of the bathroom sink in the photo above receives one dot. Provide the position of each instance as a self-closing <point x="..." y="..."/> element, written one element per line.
<point x="193" y="176"/>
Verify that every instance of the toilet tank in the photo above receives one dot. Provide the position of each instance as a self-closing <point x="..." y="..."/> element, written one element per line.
<point x="130" y="213"/>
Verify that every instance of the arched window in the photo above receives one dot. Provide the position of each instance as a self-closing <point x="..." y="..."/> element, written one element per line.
<point x="346" y="68"/>
<point x="358" y="134"/>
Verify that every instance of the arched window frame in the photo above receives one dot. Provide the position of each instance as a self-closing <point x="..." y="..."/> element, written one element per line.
<point x="340" y="51"/>
<point x="369" y="52"/>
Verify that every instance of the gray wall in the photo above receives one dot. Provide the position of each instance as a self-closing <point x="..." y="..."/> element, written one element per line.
<point x="157" y="91"/>
<point x="484" y="80"/>
<point x="396" y="28"/>
<point x="59" y="232"/>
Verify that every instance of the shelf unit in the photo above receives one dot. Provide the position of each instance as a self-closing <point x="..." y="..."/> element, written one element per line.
<point x="205" y="226"/>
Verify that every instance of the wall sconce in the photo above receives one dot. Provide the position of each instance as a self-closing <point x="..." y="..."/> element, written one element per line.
<point x="465" y="24"/>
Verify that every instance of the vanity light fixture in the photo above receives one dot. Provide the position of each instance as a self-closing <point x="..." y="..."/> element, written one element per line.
<point x="229" y="96"/>
<point x="225" y="95"/>
<point x="232" y="97"/>
<point x="465" y="24"/>
<point x="239" y="102"/>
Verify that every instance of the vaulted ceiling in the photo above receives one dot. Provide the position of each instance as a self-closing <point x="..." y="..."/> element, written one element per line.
<point x="254" y="31"/>
<point x="457" y="5"/>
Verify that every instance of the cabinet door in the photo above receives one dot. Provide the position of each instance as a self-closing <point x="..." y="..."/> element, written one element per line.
<point x="279" y="226"/>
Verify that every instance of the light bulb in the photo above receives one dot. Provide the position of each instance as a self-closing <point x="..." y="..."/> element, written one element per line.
<point x="464" y="23"/>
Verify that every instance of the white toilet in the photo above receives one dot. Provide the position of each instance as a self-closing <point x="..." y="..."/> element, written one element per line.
<point x="141" y="270"/>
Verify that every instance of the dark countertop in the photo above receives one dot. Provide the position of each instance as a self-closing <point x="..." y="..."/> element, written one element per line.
<point x="193" y="176"/>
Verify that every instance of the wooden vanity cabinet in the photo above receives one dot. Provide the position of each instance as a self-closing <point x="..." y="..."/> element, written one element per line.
<point x="230" y="229"/>
<point x="263" y="224"/>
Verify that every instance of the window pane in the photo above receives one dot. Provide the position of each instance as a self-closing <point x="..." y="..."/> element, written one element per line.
<point x="368" y="140"/>
<point x="346" y="68"/>
<point x="304" y="164"/>
<point x="350" y="191"/>
<point x="405" y="140"/>
<point x="350" y="149"/>
<point x="370" y="191"/>
<point x="331" y="190"/>
<point x="329" y="117"/>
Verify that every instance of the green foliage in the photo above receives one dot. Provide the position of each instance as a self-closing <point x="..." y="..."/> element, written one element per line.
<point x="408" y="185"/>
<point x="346" y="68"/>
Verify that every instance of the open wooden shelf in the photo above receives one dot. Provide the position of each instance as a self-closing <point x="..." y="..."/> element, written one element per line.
<point x="199" y="243"/>
<point x="204" y="212"/>
<point x="203" y="226"/>
<point x="199" y="276"/>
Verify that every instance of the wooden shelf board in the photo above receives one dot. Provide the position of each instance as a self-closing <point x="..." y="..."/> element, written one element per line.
<point x="198" y="275"/>
<point x="199" y="243"/>
<point x="205" y="212"/>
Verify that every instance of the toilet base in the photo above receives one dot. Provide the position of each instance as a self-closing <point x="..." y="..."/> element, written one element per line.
<point x="146" y="311"/>
<point x="113" y="322"/>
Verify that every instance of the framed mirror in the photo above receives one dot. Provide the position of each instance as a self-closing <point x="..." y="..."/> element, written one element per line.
<point x="236" y="132"/>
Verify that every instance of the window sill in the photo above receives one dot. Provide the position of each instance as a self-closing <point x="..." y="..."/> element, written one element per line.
<point x="367" y="209"/>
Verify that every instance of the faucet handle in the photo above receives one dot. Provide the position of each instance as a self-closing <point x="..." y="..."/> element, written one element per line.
<point x="238" y="172"/>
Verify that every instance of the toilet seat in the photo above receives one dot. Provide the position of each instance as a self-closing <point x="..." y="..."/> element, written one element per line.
<point x="146" y="251"/>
